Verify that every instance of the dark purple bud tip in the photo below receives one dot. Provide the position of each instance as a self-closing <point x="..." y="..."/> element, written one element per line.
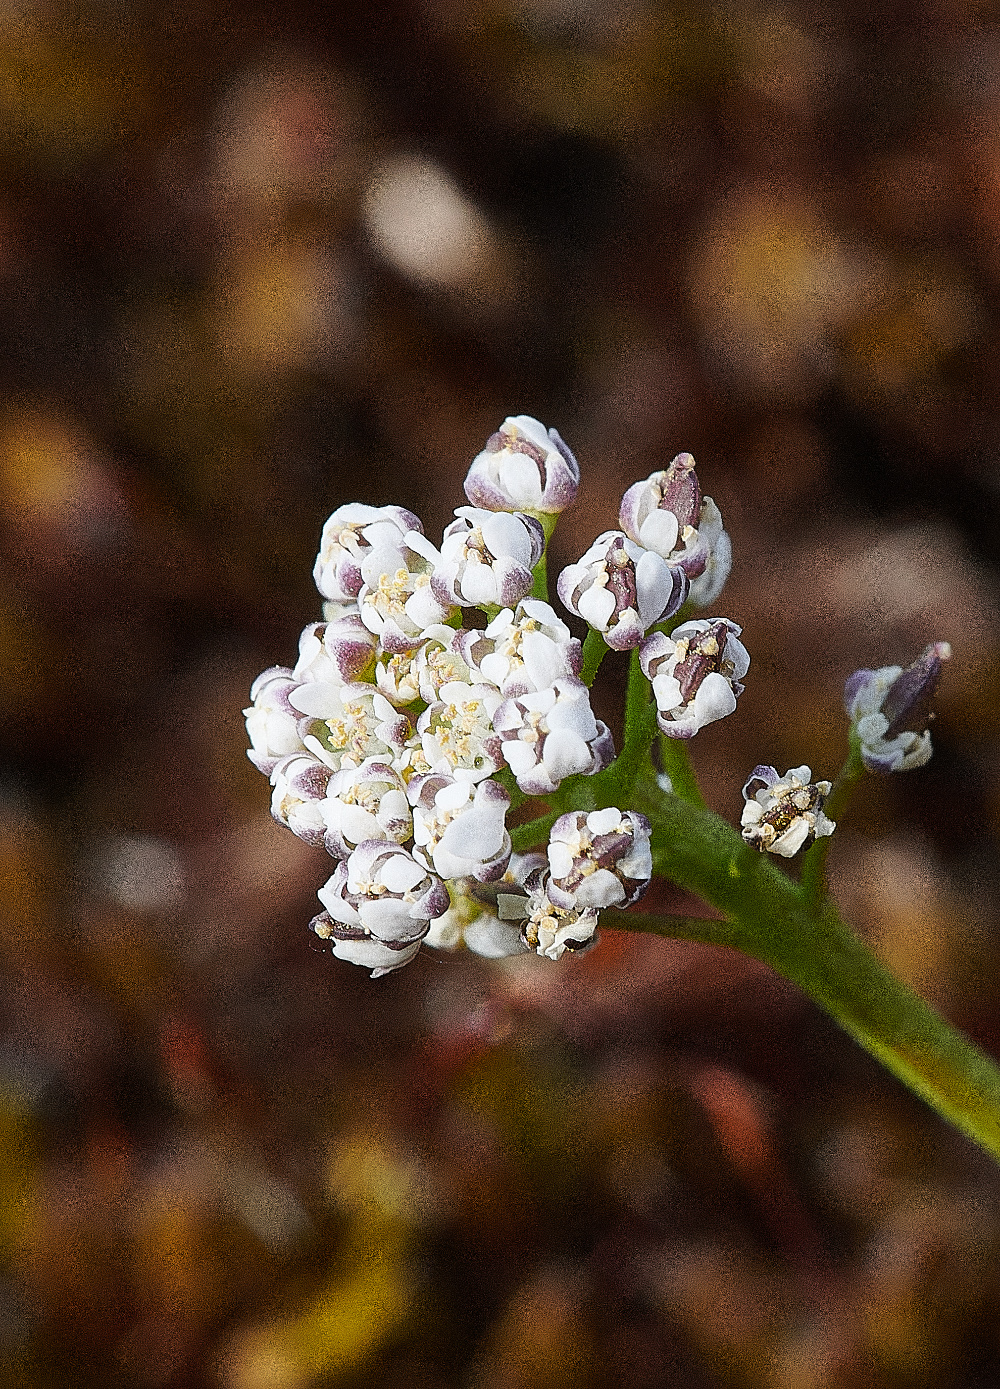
<point x="681" y="492"/>
<point x="907" y="704"/>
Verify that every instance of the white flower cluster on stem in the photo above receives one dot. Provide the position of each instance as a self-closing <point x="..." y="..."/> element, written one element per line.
<point x="396" y="740"/>
<point x="386" y="742"/>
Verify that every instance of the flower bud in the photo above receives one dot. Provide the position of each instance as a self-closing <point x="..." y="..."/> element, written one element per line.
<point x="551" y="734"/>
<point x="379" y="903"/>
<point x="523" y="467"/>
<point x="782" y="814"/>
<point x="487" y="558"/>
<point x="668" y="515"/>
<point x="300" y="788"/>
<point x="335" y="652"/>
<point x="460" y="829"/>
<point x="272" y="722"/>
<point x="696" y="673"/>
<point x="890" y="710"/>
<point x="599" y="860"/>
<point x="621" y="589"/>
<point x="350" y="536"/>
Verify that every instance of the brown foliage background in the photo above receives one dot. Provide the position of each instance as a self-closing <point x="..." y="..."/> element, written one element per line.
<point x="255" y="264"/>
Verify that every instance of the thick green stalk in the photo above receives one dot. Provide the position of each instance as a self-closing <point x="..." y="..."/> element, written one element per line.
<point x="768" y="916"/>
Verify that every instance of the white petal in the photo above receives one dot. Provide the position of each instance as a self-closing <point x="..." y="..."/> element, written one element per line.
<point x="658" y="532"/>
<point x="596" y="606"/>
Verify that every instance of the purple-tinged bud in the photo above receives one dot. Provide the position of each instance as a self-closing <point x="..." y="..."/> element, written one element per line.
<point x="621" y="589"/>
<point x="696" y="673"/>
<point x="783" y="814"/>
<point x="551" y="734"/>
<point x="272" y="722"/>
<point x="599" y="860"/>
<point x="300" y="789"/>
<point x="890" y="710"/>
<point x="487" y="558"/>
<point x="523" y="467"/>
<point x="349" y="537"/>
<point x="335" y="652"/>
<point x="668" y="515"/>
<point x="379" y="904"/>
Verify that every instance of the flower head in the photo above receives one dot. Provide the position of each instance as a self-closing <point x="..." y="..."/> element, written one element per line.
<point x="783" y="813"/>
<point x="487" y="558"/>
<point x="351" y="536"/>
<point x="696" y="673"/>
<point x="622" y="589"/>
<point x="551" y="734"/>
<point x="599" y="860"/>
<point x="525" y="650"/>
<point x="272" y="722"/>
<point x="300" y="784"/>
<point x="379" y="903"/>
<point x="890" y="710"/>
<point x="366" y="802"/>
<point x="523" y="467"/>
<point x="459" y="829"/>
<point x="668" y="515"/>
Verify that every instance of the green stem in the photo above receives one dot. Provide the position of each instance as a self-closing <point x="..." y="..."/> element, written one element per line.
<point x="676" y="763"/>
<point x="767" y="916"/>
<point x="540" y="580"/>
<point x="814" y="861"/>
<point x="595" y="648"/>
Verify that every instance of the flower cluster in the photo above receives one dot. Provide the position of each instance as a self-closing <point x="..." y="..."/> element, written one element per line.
<point x="442" y="687"/>
<point x="396" y="739"/>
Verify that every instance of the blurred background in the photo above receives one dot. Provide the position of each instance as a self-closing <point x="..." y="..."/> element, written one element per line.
<point x="255" y="263"/>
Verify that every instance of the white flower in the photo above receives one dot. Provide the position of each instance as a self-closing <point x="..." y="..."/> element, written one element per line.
<point x="696" y="673"/>
<point x="782" y="814"/>
<point x="599" y="860"/>
<point x="472" y="919"/>
<point x="890" y="709"/>
<point x="621" y="589"/>
<point x="459" y="829"/>
<point x="441" y="659"/>
<point x="379" y="903"/>
<point x="523" y="467"/>
<point x="397" y="601"/>
<point x="300" y="788"/>
<point x="545" y="927"/>
<point x="487" y="558"/>
<point x="457" y="734"/>
<point x="272" y="722"/>
<point x="334" y="652"/>
<point x="348" y="724"/>
<point x="525" y="650"/>
<point x="551" y="734"/>
<point x="350" y="536"/>
<point x="667" y="514"/>
<point x="366" y="802"/>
